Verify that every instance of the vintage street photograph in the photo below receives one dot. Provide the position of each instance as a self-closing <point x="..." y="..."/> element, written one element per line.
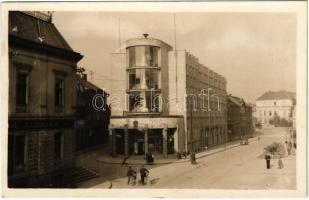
<point x="114" y="99"/>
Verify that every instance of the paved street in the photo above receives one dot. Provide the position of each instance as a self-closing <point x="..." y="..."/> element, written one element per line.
<point x="241" y="167"/>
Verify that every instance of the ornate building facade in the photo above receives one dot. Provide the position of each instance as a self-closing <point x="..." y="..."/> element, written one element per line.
<point x="42" y="102"/>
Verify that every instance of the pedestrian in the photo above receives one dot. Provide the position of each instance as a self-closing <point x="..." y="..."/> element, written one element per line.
<point x="152" y="158"/>
<point x="289" y="147"/>
<point x="267" y="158"/>
<point x="144" y="173"/>
<point x="131" y="174"/>
<point x="280" y="163"/>
<point x="124" y="162"/>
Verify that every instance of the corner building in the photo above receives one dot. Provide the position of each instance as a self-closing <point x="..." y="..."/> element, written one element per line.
<point x="42" y="103"/>
<point x="154" y="93"/>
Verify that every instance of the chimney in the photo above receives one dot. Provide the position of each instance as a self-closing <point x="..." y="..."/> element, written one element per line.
<point x="145" y="35"/>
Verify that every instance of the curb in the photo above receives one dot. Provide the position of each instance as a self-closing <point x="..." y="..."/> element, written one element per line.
<point x="177" y="161"/>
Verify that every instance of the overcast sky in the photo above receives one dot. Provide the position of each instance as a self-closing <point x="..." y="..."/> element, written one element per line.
<point x="256" y="52"/>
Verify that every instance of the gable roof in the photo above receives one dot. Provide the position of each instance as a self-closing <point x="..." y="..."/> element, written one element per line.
<point x="235" y="100"/>
<point x="30" y="28"/>
<point x="87" y="84"/>
<point x="275" y="95"/>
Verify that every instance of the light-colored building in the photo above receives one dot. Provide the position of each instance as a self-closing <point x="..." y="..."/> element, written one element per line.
<point x="272" y="104"/>
<point x="151" y="94"/>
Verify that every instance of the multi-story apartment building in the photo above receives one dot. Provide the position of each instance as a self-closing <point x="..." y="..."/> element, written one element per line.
<point x="42" y="101"/>
<point x="272" y="104"/>
<point x="157" y="92"/>
<point x="240" y="121"/>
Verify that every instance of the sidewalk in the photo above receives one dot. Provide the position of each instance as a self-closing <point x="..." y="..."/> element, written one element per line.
<point x="160" y="160"/>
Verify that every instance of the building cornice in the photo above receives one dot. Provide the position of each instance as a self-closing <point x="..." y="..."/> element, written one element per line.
<point x="44" y="48"/>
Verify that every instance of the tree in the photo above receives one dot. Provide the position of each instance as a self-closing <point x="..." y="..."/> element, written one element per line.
<point x="275" y="149"/>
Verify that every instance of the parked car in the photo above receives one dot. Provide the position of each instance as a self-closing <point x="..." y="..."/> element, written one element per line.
<point x="244" y="142"/>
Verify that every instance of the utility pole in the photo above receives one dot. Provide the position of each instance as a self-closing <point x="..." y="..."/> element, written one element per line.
<point x="226" y="120"/>
<point x="192" y="153"/>
<point x="119" y="35"/>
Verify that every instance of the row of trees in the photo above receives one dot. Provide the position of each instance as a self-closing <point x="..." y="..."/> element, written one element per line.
<point x="281" y="122"/>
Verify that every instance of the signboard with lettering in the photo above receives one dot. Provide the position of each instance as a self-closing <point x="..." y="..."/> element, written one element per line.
<point x="36" y="124"/>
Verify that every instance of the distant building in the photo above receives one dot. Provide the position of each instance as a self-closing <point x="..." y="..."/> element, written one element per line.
<point x="42" y="101"/>
<point x="150" y="109"/>
<point x="240" y="121"/>
<point x="272" y="104"/>
<point x="92" y="122"/>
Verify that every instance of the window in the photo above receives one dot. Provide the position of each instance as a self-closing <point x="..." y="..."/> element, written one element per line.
<point x="136" y="79"/>
<point x="16" y="153"/>
<point x="143" y="56"/>
<point x="275" y="103"/>
<point x="20" y="146"/>
<point x="59" y="87"/>
<point x="152" y="79"/>
<point x="22" y="88"/>
<point x="58" y="145"/>
<point x="145" y="77"/>
<point x="144" y="102"/>
<point x="270" y="113"/>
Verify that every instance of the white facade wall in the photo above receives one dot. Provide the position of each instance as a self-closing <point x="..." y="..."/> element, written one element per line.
<point x="266" y="109"/>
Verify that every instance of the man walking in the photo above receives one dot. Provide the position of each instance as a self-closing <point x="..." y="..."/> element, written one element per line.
<point x="289" y="147"/>
<point x="144" y="172"/>
<point x="267" y="158"/>
<point x="131" y="174"/>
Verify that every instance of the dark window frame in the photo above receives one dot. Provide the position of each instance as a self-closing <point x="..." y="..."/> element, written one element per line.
<point x="24" y="69"/>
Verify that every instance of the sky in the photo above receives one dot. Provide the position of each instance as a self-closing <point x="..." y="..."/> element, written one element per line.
<point x="255" y="52"/>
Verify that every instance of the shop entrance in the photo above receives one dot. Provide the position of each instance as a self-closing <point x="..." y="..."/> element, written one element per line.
<point x="136" y="142"/>
<point x="119" y="137"/>
<point x="155" y="141"/>
<point x="170" y="140"/>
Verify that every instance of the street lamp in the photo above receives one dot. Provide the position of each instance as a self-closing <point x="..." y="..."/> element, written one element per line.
<point x="192" y="153"/>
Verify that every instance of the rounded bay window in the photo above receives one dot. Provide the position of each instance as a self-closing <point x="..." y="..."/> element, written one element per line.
<point x="143" y="75"/>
